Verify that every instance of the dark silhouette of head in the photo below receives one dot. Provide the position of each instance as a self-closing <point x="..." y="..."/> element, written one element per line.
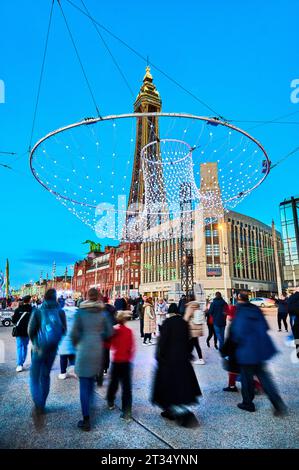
<point x="243" y="297"/>
<point x="51" y="295"/>
<point x="218" y="295"/>
<point x="173" y="308"/>
<point x="93" y="294"/>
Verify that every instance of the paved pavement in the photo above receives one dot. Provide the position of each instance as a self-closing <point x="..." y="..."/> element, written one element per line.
<point x="222" y="424"/>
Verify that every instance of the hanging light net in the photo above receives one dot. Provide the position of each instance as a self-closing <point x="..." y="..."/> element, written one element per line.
<point x="190" y="163"/>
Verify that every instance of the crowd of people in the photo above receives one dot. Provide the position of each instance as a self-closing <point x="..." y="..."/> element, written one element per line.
<point x="91" y="336"/>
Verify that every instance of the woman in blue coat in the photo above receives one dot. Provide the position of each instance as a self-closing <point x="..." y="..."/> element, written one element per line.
<point x="253" y="348"/>
<point x="66" y="350"/>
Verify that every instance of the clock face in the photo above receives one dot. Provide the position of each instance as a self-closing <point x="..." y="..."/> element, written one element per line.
<point x="119" y="261"/>
<point x="79" y="272"/>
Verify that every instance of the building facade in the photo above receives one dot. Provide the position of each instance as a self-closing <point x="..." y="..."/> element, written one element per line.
<point x="230" y="253"/>
<point x="289" y="216"/>
<point x="115" y="271"/>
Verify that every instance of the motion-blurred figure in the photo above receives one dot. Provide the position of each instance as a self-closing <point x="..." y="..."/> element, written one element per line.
<point x="46" y="327"/>
<point x="293" y="308"/>
<point x="123" y="348"/>
<point x="66" y="350"/>
<point x="282" y="312"/>
<point x="21" y="319"/>
<point x="149" y="320"/>
<point x="161" y="311"/>
<point x="91" y="328"/>
<point x="195" y="322"/>
<point x="210" y="325"/>
<point x="217" y="310"/>
<point x="175" y="385"/>
<point x="253" y="348"/>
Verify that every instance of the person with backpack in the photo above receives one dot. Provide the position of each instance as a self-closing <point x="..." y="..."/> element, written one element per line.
<point x="91" y="328"/>
<point x="21" y="319"/>
<point x="46" y="327"/>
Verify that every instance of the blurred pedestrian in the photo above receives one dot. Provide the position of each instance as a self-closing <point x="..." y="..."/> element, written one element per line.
<point x="195" y="318"/>
<point x="149" y="321"/>
<point x="140" y="312"/>
<point x="282" y="312"/>
<point x="175" y="385"/>
<point x="123" y="348"/>
<point x="110" y="313"/>
<point x="210" y="325"/>
<point x="21" y="319"/>
<point x="66" y="350"/>
<point x="253" y="348"/>
<point x="172" y="309"/>
<point x="182" y="304"/>
<point x="120" y="303"/>
<point x="293" y="308"/>
<point x="91" y="328"/>
<point x="217" y="310"/>
<point x="61" y="301"/>
<point x="46" y="327"/>
<point x="161" y="311"/>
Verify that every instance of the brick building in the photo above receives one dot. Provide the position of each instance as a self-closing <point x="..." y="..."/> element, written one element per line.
<point x="115" y="271"/>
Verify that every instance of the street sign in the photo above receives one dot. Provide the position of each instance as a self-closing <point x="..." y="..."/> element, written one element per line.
<point x="214" y="272"/>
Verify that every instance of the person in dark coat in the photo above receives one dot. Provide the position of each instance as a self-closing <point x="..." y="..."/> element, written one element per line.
<point x="253" y="348"/>
<point x="140" y="310"/>
<point x="43" y="320"/>
<point x="175" y="384"/>
<point x="120" y="303"/>
<point x="91" y="328"/>
<point x="282" y="312"/>
<point x="293" y="309"/>
<point x="22" y="315"/>
<point x="217" y="311"/>
<point x="182" y="304"/>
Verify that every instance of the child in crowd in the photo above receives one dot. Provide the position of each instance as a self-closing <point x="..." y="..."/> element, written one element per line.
<point x="122" y="348"/>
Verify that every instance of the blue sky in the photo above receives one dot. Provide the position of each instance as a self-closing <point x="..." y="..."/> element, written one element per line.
<point x="239" y="57"/>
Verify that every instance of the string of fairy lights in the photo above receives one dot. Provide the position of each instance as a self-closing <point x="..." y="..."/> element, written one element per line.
<point x="88" y="169"/>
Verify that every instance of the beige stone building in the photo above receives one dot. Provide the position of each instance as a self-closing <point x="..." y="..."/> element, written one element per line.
<point x="230" y="253"/>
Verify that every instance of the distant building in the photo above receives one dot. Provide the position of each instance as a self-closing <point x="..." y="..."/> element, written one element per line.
<point x="235" y="252"/>
<point x="115" y="271"/>
<point x="289" y="216"/>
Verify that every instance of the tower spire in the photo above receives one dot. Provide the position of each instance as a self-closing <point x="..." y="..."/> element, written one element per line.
<point x="147" y="130"/>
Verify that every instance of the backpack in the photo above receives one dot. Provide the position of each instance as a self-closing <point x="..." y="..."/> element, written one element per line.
<point x="50" y="331"/>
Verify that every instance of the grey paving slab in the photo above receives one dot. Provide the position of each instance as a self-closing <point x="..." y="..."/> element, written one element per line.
<point x="222" y="424"/>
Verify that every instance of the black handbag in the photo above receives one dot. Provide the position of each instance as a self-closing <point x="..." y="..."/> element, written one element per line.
<point x="14" y="331"/>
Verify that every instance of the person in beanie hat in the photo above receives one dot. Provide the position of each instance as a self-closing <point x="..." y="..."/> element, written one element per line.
<point x="123" y="349"/>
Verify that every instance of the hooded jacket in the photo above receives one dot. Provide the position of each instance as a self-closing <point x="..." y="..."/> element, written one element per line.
<point x="249" y="332"/>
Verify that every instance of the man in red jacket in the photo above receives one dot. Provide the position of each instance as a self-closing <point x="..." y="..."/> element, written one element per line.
<point x="123" y="348"/>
